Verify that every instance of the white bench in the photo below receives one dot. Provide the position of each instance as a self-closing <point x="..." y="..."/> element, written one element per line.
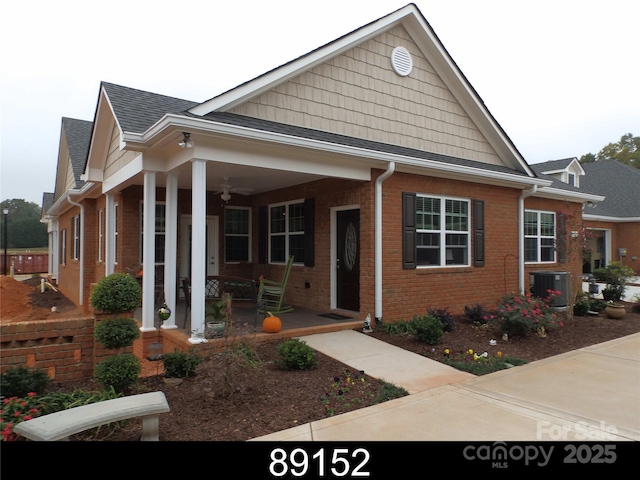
<point x="61" y="425"/>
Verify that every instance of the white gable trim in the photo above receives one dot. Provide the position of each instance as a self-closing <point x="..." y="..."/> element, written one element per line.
<point x="269" y="80"/>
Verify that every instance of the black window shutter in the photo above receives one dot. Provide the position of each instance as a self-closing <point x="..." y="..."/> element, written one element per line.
<point x="263" y="231"/>
<point x="562" y="238"/>
<point x="478" y="233"/>
<point x="408" y="230"/>
<point x="309" y="230"/>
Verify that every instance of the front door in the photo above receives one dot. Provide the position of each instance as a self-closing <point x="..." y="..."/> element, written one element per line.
<point x="348" y="260"/>
<point x="211" y="255"/>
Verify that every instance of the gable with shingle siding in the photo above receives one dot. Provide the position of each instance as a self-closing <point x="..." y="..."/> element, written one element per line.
<point x="358" y="94"/>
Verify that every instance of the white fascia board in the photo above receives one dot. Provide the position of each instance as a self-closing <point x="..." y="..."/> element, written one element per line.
<point x="181" y="123"/>
<point x="131" y="169"/>
<point x="265" y="82"/>
<point x="603" y="218"/>
<point x="558" y="194"/>
<point x="62" y="204"/>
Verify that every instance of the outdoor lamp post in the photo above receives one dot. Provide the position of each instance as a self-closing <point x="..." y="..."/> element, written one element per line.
<point x="6" y="214"/>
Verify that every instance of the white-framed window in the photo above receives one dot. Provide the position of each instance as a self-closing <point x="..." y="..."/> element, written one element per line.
<point x="160" y="225"/>
<point x="63" y="247"/>
<point x="286" y="232"/>
<point x="539" y="236"/>
<point x="75" y="232"/>
<point x="442" y="231"/>
<point x="115" y="233"/>
<point x="100" y="235"/>
<point x="237" y="234"/>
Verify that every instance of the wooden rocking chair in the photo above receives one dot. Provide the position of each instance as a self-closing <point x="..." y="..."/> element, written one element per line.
<point x="271" y="293"/>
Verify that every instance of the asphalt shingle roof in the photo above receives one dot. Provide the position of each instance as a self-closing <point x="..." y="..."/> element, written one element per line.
<point x="78" y="136"/>
<point x="137" y="110"/>
<point x="619" y="183"/>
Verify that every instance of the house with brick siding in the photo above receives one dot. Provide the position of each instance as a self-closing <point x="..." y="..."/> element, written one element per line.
<point x="371" y="160"/>
<point x="613" y="224"/>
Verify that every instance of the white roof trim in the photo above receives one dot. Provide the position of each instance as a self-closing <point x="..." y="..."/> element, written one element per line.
<point x="269" y="80"/>
<point x="556" y="193"/>
<point x="172" y="122"/>
<point x="603" y="218"/>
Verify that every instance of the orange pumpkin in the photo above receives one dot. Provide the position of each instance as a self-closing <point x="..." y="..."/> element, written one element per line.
<point x="271" y="324"/>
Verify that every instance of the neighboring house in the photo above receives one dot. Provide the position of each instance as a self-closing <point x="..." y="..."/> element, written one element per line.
<point x="371" y="160"/>
<point x="614" y="222"/>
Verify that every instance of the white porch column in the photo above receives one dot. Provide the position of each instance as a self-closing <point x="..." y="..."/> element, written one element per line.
<point x="171" y="248"/>
<point x="109" y="235"/>
<point x="198" y="248"/>
<point x="148" y="251"/>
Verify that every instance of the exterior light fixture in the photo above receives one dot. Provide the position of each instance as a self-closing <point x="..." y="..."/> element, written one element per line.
<point x="186" y="141"/>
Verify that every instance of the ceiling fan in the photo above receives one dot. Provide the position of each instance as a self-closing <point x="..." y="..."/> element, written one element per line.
<point x="227" y="190"/>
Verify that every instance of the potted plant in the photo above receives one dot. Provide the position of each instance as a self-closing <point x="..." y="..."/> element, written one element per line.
<point x="215" y="310"/>
<point x="615" y="310"/>
<point x="616" y="276"/>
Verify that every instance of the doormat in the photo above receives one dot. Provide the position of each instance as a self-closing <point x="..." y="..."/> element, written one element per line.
<point x="335" y="316"/>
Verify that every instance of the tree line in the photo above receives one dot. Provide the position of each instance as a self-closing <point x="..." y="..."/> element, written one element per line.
<point x="24" y="228"/>
<point x="626" y="150"/>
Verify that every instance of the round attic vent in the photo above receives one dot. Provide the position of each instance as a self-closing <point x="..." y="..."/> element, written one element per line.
<point x="401" y="61"/>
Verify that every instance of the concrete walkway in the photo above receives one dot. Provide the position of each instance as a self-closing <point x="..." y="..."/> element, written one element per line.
<point x="587" y="394"/>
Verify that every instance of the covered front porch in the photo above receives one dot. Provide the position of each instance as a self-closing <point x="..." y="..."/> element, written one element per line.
<point x="246" y="322"/>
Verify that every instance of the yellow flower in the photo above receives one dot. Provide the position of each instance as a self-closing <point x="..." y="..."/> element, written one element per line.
<point x="470" y="351"/>
<point x="446" y="351"/>
<point x="499" y="354"/>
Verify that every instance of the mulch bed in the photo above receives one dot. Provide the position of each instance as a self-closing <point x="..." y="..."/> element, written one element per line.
<point x="232" y="400"/>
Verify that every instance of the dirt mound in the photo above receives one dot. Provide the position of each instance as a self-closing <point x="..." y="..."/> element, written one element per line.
<point x="25" y="301"/>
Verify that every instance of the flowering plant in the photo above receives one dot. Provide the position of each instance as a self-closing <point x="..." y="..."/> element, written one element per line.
<point x="346" y="390"/>
<point x="16" y="410"/>
<point x="523" y="314"/>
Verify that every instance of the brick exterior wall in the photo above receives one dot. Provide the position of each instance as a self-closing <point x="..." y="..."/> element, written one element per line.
<point x="405" y="292"/>
<point x="63" y="348"/>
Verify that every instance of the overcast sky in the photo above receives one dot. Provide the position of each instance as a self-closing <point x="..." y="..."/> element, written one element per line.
<point x="561" y="77"/>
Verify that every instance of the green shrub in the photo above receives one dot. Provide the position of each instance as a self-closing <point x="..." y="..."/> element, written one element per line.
<point x="398" y="327"/>
<point x="295" y="354"/>
<point x="427" y="329"/>
<point x="180" y="364"/>
<point x="57" y="401"/>
<point x="389" y="391"/>
<point x="581" y="307"/>
<point x="597" y="305"/>
<point x="117" y="332"/>
<point x="483" y="367"/>
<point x="20" y="381"/>
<point x="447" y="320"/>
<point x="116" y="293"/>
<point x="118" y="371"/>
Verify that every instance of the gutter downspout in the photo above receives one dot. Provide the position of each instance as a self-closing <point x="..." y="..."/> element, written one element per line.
<point x="81" y="253"/>
<point x="525" y="194"/>
<point x="378" y="240"/>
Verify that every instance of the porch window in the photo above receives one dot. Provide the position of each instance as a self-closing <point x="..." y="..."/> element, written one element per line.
<point x="159" y="231"/>
<point x="63" y="247"/>
<point x="539" y="236"/>
<point x="75" y="232"/>
<point x="286" y="232"/>
<point x="442" y="227"/>
<point x="100" y="235"/>
<point x="115" y="233"/>
<point x="237" y="232"/>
